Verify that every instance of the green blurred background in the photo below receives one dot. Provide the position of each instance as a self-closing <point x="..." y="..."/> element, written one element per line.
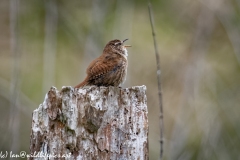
<point x="46" y="43"/>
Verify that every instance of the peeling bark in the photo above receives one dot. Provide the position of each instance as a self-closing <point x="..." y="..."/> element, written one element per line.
<point x="92" y="123"/>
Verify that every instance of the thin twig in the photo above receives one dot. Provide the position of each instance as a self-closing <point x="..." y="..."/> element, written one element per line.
<point x="14" y="117"/>
<point x="161" y="126"/>
<point x="50" y="44"/>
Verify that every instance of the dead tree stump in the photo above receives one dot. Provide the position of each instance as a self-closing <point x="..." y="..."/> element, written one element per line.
<point x="99" y="123"/>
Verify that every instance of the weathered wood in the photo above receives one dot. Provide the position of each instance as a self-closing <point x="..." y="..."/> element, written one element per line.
<point x="92" y="123"/>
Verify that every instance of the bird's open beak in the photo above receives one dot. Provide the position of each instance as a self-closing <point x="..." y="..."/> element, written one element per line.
<point x="126" y="45"/>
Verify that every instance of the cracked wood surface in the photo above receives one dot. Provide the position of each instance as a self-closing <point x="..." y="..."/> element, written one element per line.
<point x="92" y="123"/>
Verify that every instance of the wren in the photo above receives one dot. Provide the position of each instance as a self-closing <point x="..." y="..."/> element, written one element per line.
<point x="110" y="69"/>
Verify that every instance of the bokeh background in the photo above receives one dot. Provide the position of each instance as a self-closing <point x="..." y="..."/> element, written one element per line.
<point x="46" y="43"/>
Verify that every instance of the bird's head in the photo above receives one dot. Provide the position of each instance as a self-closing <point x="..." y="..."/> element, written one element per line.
<point x="117" y="46"/>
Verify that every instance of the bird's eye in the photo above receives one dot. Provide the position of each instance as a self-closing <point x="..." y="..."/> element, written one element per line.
<point x="117" y="43"/>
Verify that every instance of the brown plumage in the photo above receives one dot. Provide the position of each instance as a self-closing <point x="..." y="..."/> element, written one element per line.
<point x="110" y="68"/>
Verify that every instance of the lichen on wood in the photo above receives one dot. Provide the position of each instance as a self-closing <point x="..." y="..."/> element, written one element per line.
<point x="92" y="123"/>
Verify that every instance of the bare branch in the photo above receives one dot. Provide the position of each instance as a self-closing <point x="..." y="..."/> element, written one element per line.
<point x="14" y="86"/>
<point x="161" y="124"/>
<point x="50" y="43"/>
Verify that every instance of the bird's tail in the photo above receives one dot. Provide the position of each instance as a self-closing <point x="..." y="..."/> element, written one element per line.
<point x="82" y="84"/>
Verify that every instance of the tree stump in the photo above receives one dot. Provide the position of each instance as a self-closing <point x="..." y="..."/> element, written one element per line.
<point x="91" y="123"/>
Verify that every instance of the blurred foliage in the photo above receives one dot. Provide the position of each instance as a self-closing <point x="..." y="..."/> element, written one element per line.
<point x="200" y="66"/>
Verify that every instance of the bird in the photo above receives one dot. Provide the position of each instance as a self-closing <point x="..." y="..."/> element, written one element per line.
<point x="110" y="68"/>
